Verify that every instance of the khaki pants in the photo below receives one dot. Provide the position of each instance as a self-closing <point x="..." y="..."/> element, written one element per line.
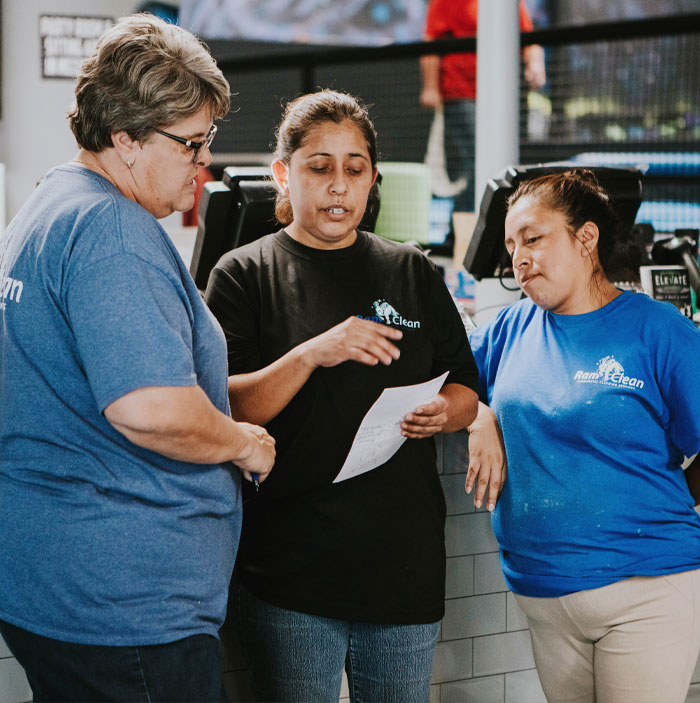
<point x="634" y="641"/>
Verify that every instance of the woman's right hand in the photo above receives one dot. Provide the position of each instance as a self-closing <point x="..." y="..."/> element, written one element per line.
<point x="258" y="454"/>
<point x="487" y="458"/>
<point x="430" y="98"/>
<point x="354" y="339"/>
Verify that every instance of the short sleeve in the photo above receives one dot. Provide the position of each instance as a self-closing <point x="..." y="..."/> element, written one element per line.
<point x="479" y="343"/>
<point x="525" y="19"/>
<point x="678" y="352"/>
<point x="452" y="352"/>
<point x="437" y="18"/>
<point x="231" y="305"/>
<point x="132" y="327"/>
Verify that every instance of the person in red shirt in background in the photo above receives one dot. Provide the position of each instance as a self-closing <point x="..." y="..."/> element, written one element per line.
<point x="450" y="81"/>
<point x="189" y="218"/>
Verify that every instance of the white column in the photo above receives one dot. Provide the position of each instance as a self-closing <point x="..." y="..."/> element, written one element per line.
<point x="497" y="86"/>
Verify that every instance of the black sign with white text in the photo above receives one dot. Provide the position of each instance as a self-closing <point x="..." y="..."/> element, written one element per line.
<point x="66" y="41"/>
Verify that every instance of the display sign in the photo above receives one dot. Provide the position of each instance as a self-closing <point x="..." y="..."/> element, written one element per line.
<point x="334" y="22"/>
<point x="66" y="41"/>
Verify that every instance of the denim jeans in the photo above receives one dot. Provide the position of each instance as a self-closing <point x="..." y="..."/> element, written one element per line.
<point x="460" y="149"/>
<point x="186" y="670"/>
<point x="297" y="657"/>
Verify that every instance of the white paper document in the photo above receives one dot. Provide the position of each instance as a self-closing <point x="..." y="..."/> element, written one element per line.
<point x="379" y="435"/>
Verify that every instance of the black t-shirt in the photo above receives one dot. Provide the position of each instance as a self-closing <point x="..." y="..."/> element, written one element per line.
<point x="370" y="548"/>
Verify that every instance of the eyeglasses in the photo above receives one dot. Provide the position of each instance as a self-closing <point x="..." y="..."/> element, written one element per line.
<point x="189" y="143"/>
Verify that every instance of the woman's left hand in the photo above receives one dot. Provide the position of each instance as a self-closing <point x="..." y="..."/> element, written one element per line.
<point x="487" y="458"/>
<point x="426" y="420"/>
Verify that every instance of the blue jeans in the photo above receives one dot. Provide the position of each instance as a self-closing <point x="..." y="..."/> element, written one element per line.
<point x="186" y="670"/>
<point x="460" y="149"/>
<point x="297" y="657"/>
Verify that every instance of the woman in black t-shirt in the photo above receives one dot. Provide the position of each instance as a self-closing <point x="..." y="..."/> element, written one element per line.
<point x="319" y="319"/>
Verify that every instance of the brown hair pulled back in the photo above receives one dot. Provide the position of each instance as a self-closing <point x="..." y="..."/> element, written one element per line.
<point x="578" y="195"/>
<point x="302" y="116"/>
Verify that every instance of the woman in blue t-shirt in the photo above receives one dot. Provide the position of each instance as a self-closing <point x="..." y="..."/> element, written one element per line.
<point x="120" y="505"/>
<point x="597" y="395"/>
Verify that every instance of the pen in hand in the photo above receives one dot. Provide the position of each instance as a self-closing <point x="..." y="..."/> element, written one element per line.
<point x="256" y="481"/>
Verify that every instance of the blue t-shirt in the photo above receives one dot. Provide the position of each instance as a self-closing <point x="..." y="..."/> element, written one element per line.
<point x="597" y="411"/>
<point x="104" y="542"/>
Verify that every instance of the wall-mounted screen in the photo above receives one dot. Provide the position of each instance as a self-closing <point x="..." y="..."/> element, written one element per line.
<point x="348" y="22"/>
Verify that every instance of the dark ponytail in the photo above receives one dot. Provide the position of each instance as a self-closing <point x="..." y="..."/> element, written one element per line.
<point x="578" y="195"/>
<point x="302" y="116"/>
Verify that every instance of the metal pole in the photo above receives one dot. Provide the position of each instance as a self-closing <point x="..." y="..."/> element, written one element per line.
<point x="497" y="81"/>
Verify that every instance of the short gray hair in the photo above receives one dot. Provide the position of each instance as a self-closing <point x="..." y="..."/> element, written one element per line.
<point x="144" y="73"/>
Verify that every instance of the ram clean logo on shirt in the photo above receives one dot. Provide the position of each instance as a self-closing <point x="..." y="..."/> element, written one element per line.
<point x="610" y="372"/>
<point x="11" y="289"/>
<point x="387" y="314"/>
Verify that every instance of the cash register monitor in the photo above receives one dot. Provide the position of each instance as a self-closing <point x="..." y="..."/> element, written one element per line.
<point x="240" y="209"/>
<point x="232" y="212"/>
<point x="486" y="255"/>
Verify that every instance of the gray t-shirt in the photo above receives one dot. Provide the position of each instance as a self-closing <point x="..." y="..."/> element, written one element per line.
<point x="104" y="542"/>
